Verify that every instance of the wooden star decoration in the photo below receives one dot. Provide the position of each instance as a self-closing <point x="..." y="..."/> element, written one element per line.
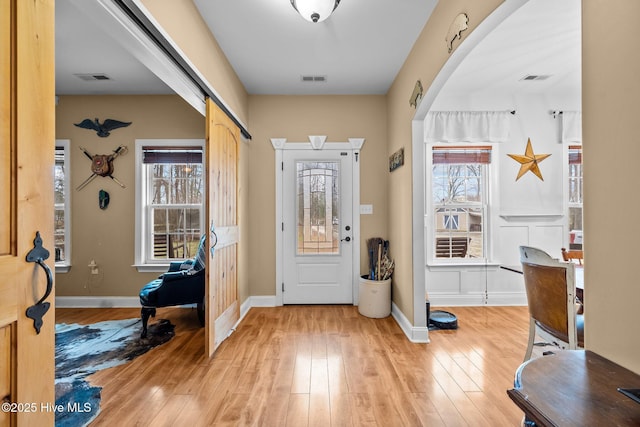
<point x="529" y="162"/>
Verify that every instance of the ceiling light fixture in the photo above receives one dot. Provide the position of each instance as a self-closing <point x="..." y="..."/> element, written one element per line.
<point x="315" y="10"/>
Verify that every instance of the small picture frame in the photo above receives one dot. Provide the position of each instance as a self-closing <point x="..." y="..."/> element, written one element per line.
<point x="396" y="160"/>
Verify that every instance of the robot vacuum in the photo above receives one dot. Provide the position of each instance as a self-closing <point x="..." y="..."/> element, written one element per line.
<point x="440" y="319"/>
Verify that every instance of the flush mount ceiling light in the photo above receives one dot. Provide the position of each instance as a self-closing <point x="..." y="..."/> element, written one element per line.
<point x="315" y="10"/>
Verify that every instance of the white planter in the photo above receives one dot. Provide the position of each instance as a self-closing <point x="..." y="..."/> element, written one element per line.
<point x="375" y="298"/>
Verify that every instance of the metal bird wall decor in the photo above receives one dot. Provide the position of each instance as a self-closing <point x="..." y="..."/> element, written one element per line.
<point x="103" y="129"/>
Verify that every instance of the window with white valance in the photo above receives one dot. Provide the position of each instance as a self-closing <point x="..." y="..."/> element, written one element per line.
<point x="466" y="126"/>
<point x="571" y="126"/>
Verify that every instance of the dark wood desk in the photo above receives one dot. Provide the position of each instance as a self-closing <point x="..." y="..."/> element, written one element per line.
<point x="575" y="388"/>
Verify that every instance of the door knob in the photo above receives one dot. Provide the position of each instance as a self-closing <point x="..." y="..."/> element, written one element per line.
<point x="346" y="239"/>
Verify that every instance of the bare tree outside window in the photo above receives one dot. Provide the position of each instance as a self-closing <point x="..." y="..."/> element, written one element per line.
<point x="317" y="208"/>
<point x="59" y="195"/>
<point x="176" y="208"/>
<point x="457" y="183"/>
<point x="459" y="200"/>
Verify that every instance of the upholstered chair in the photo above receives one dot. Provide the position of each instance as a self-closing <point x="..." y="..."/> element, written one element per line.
<point x="183" y="283"/>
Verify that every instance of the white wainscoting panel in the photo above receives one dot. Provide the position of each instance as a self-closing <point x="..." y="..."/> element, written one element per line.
<point x="489" y="284"/>
<point x="548" y="238"/>
<point x="510" y="238"/>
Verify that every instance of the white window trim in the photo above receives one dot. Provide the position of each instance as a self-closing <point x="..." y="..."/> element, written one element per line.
<point x="490" y="210"/>
<point x="567" y="204"/>
<point x="65" y="266"/>
<point x="571" y="204"/>
<point x="140" y="219"/>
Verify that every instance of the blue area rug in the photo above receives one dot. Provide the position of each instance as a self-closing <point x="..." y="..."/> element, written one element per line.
<point x="82" y="350"/>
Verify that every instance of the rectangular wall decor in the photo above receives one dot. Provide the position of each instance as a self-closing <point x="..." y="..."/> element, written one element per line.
<point x="396" y="160"/>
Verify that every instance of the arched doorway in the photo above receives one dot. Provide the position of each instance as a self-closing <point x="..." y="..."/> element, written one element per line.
<point x="456" y="62"/>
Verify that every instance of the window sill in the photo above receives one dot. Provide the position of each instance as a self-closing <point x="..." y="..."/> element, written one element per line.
<point x="466" y="264"/>
<point x="151" y="268"/>
<point x="523" y="216"/>
<point x="62" y="268"/>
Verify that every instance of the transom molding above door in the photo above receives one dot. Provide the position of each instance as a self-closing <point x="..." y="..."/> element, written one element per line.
<point x="317" y="142"/>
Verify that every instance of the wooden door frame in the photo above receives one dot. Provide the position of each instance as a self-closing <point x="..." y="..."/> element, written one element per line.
<point x="317" y="143"/>
<point x="27" y="84"/>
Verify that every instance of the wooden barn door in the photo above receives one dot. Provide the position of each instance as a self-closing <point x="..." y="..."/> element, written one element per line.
<point x="222" y="305"/>
<point x="27" y="143"/>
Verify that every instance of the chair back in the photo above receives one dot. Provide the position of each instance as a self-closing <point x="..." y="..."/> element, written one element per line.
<point x="573" y="255"/>
<point x="550" y="287"/>
<point x="200" y="259"/>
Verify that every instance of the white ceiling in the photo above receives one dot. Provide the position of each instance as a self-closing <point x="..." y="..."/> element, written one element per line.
<point x="541" y="38"/>
<point x="359" y="49"/>
<point x="82" y="47"/>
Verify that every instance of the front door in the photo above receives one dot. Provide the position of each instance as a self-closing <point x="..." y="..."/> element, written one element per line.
<point x="27" y="144"/>
<point x="317" y="227"/>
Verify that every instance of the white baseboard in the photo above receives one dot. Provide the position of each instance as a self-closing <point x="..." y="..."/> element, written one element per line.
<point x="453" y="300"/>
<point x="415" y="334"/>
<point x="471" y="300"/>
<point x="244" y="308"/>
<point x="256" y="301"/>
<point x="507" y="298"/>
<point x="263" y="301"/>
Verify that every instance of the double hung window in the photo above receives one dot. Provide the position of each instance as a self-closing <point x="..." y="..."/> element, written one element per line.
<point x="61" y="206"/>
<point x="459" y="199"/>
<point x="171" y="202"/>
<point x="575" y="196"/>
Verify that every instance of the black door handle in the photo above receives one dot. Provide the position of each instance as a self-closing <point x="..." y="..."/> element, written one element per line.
<point x="346" y="239"/>
<point x="38" y="255"/>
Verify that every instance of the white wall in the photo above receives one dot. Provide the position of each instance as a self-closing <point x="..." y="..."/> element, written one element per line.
<point x="527" y="212"/>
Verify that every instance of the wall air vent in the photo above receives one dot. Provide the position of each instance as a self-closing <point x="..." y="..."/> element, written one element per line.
<point x="314" y="78"/>
<point x="531" y="77"/>
<point x="92" y="77"/>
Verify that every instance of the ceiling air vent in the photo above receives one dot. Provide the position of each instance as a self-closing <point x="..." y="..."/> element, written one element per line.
<point x="314" y="78"/>
<point x="92" y="77"/>
<point x="531" y="77"/>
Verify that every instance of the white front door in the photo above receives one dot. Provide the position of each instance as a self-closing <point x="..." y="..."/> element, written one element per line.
<point x="318" y="239"/>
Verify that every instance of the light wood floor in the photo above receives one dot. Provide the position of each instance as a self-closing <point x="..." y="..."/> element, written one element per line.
<point x="317" y="366"/>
